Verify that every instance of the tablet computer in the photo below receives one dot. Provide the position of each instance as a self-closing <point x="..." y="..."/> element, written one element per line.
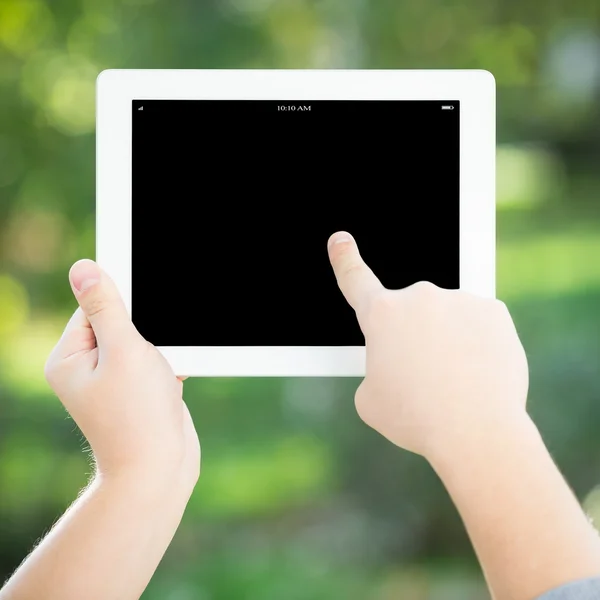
<point x="217" y="191"/>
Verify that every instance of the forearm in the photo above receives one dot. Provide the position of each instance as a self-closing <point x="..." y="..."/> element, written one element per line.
<point x="107" y="545"/>
<point x="528" y="529"/>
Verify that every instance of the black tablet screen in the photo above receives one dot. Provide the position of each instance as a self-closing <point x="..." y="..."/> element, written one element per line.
<point x="233" y="203"/>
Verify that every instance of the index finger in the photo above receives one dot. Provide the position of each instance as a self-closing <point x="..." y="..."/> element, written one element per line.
<point x="355" y="279"/>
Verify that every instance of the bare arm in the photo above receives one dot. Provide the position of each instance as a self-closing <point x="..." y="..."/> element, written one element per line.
<point x="128" y="403"/>
<point x="447" y="378"/>
<point x="107" y="545"/>
<point x="528" y="529"/>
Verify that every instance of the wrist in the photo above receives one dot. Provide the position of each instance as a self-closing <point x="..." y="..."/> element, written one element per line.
<point x="485" y="440"/>
<point x="151" y="478"/>
<point x="148" y="494"/>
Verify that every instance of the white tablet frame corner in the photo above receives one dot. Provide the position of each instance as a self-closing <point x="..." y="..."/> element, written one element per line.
<point x="116" y="89"/>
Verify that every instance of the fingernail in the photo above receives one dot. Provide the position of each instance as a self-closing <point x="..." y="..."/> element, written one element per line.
<point x="339" y="238"/>
<point x="86" y="284"/>
<point x="84" y="274"/>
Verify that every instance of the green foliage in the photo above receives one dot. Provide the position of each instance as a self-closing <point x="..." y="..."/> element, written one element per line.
<point x="298" y="499"/>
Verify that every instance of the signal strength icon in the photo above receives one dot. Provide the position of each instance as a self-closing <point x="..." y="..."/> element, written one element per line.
<point x="141" y="108"/>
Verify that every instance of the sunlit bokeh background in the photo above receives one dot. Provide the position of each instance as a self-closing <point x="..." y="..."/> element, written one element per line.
<point x="298" y="500"/>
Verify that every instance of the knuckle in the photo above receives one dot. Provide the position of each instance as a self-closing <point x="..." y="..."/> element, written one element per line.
<point x="51" y="371"/>
<point x="500" y="306"/>
<point x="351" y="268"/>
<point x="378" y="307"/>
<point x="361" y="403"/>
<point x="129" y="352"/>
<point x="426" y="296"/>
<point x="383" y="301"/>
<point x="502" y="312"/>
<point x="94" y="306"/>
<point x="425" y="289"/>
<point x="493" y="308"/>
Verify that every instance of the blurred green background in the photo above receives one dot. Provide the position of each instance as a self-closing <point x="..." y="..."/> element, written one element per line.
<point x="298" y="499"/>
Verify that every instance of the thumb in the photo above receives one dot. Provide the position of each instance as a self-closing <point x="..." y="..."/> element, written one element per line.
<point x="355" y="279"/>
<point x="101" y="303"/>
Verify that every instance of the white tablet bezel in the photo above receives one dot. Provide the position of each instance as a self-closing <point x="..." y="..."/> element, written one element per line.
<point x="116" y="89"/>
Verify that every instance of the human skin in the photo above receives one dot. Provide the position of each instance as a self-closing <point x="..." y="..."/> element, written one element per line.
<point x="447" y="378"/>
<point x="128" y="403"/>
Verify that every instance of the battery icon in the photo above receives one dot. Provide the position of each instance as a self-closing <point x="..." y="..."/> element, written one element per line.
<point x="447" y="107"/>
